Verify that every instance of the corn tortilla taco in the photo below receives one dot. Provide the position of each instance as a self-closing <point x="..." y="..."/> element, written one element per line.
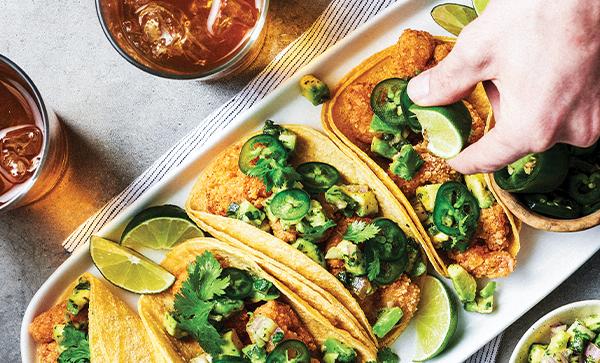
<point x="370" y="115"/>
<point x="311" y="213"/>
<point x="224" y="307"/>
<point x="89" y="323"/>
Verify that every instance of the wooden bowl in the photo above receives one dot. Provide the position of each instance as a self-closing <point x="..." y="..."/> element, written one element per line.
<point x="539" y="221"/>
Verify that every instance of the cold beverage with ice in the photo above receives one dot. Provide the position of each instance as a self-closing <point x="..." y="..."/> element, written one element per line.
<point x="181" y="37"/>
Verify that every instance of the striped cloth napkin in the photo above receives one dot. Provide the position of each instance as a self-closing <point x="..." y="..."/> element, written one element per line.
<point x="339" y="19"/>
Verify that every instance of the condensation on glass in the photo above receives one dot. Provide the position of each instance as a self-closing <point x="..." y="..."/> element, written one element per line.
<point x="32" y="144"/>
<point x="185" y="38"/>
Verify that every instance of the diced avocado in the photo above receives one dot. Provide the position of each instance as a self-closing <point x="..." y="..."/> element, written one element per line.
<point x="335" y="351"/>
<point x="482" y="305"/>
<point x="406" y="163"/>
<point x="260" y="328"/>
<point x="57" y="335"/>
<point x="386" y="321"/>
<point x="488" y="290"/>
<point x="316" y="216"/>
<point x="230" y="344"/>
<point x="172" y="327"/>
<point x="354" y="261"/>
<point x="383" y="148"/>
<point x="246" y="212"/>
<point x="226" y="307"/>
<point x="579" y="327"/>
<point x="255" y="354"/>
<point x="558" y="342"/>
<point x="80" y="297"/>
<point x="310" y="249"/>
<point x="580" y="336"/>
<point x="288" y="139"/>
<point x="361" y="194"/>
<point x="536" y="353"/>
<point x="592" y="322"/>
<point x="263" y="290"/>
<point x="476" y="184"/>
<point x="379" y="126"/>
<point x="340" y="200"/>
<point x="426" y="195"/>
<point x="314" y="89"/>
<point x="464" y="284"/>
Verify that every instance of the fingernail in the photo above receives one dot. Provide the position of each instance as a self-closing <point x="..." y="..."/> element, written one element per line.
<point x="418" y="87"/>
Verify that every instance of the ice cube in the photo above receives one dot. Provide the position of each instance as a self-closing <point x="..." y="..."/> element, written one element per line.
<point x="20" y="148"/>
<point x="231" y="16"/>
<point x="165" y="27"/>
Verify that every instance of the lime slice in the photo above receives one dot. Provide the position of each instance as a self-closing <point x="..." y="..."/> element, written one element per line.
<point x="435" y="321"/>
<point x="160" y="227"/>
<point x="480" y="5"/>
<point x="446" y="128"/>
<point x="128" y="269"/>
<point x="453" y="17"/>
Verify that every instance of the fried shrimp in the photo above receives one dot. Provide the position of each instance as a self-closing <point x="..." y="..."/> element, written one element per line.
<point x="413" y="52"/>
<point x="287" y="320"/>
<point x="357" y="111"/>
<point x="403" y="293"/>
<point x="493" y="228"/>
<point x="286" y="235"/>
<point x="42" y="326"/>
<point x="480" y="261"/>
<point x="48" y="352"/>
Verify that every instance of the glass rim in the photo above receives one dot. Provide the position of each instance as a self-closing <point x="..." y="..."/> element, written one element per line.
<point x="255" y="35"/>
<point x="39" y="101"/>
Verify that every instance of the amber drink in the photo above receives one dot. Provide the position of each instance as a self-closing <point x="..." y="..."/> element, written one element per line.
<point x="32" y="146"/>
<point x="203" y="39"/>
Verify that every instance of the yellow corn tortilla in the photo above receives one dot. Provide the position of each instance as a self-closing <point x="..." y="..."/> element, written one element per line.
<point x="152" y="308"/>
<point x="115" y="331"/>
<point x="377" y="68"/>
<point x="283" y="261"/>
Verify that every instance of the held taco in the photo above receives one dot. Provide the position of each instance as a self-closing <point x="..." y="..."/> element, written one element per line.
<point x="370" y="115"/>
<point x="225" y="308"/>
<point x="89" y="323"/>
<point x="310" y="213"/>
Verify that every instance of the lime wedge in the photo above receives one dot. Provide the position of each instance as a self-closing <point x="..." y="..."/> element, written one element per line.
<point x="160" y="227"/>
<point x="480" y="5"/>
<point x="435" y="321"/>
<point x="453" y="17"/>
<point x="128" y="269"/>
<point x="446" y="128"/>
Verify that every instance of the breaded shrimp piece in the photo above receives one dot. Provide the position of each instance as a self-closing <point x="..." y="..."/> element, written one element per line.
<point x="479" y="261"/>
<point x="287" y="235"/>
<point x="402" y="293"/>
<point x="42" y="326"/>
<point x="441" y="51"/>
<point x="493" y="228"/>
<point x="413" y="52"/>
<point x="287" y="320"/>
<point x="48" y="352"/>
<point x="357" y="113"/>
<point x="477" y="126"/>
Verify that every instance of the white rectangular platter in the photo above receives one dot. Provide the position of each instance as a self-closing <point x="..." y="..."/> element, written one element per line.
<point x="546" y="259"/>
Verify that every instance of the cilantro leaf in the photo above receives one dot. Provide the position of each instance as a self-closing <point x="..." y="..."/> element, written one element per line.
<point x="386" y="355"/>
<point x="373" y="264"/>
<point x="274" y="173"/>
<point x="317" y="232"/>
<point x="360" y="231"/>
<point x="204" y="278"/>
<point x="76" y="345"/>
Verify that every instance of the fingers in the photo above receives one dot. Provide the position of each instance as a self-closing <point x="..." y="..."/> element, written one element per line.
<point x="455" y="76"/>
<point x="492" y="152"/>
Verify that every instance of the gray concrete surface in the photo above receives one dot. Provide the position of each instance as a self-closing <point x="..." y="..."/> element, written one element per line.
<point x="118" y="121"/>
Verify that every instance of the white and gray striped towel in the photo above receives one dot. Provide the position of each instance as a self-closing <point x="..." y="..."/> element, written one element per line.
<point x="339" y="19"/>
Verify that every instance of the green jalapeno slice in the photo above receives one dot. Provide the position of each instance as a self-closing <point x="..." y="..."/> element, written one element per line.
<point x="535" y="173"/>
<point x="409" y="117"/>
<point x="391" y="271"/>
<point x="290" y="351"/>
<point x="456" y="211"/>
<point x="584" y="188"/>
<point x="318" y="177"/>
<point x="385" y="100"/>
<point x="290" y="204"/>
<point x="552" y="205"/>
<point x="261" y="147"/>
<point x="240" y="283"/>
<point x="590" y="208"/>
<point x="390" y="241"/>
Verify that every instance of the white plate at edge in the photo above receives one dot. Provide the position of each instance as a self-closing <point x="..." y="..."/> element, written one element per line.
<point x="545" y="260"/>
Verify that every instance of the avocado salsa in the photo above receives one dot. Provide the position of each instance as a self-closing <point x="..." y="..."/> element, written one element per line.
<point x="333" y="223"/>
<point x="236" y="316"/>
<point x="562" y="182"/>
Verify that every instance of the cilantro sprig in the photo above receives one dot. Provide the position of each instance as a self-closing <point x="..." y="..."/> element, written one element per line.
<point x="317" y="232"/>
<point x="77" y="347"/>
<point x="274" y="173"/>
<point x="193" y="303"/>
<point x="360" y="231"/>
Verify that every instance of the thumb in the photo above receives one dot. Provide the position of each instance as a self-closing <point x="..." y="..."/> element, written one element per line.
<point x="492" y="152"/>
<point x="455" y="76"/>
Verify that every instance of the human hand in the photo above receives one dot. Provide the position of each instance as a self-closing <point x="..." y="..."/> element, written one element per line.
<point x="540" y="64"/>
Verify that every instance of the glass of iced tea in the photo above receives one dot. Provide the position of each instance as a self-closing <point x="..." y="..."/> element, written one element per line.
<point x="185" y="39"/>
<point x="33" y="149"/>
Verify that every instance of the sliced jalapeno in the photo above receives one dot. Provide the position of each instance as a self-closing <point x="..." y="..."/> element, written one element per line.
<point x="590" y="208"/>
<point x="240" y="283"/>
<point x="318" y="177"/>
<point x="409" y="117"/>
<point x="260" y="147"/>
<point x="385" y="100"/>
<point x="290" y="204"/>
<point x="390" y="271"/>
<point x="582" y="151"/>
<point x="552" y="205"/>
<point x="584" y="188"/>
<point x="392" y="244"/>
<point x="535" y="173"/>
<point x="290" y="351"/>
<point x="456" y="211"/>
